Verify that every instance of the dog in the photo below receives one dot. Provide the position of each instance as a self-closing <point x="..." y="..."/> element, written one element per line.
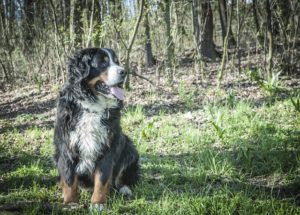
<point x="90" y="147"/>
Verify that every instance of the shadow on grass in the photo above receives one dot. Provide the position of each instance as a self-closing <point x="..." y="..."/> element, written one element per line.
<point x="175" y="107"/>
<point x="23" y="171"/>
<point x="47" y="124"/>
<point x="208" y="183"/>
<point x="263" y="166"/>
<point x="26" y="105"/>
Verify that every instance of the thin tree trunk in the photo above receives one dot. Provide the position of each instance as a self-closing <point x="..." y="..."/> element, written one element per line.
<point x="98" y="17"/>
<point x="225" y="49"/>
<point x="2" y="19"/>
<point x="170" y="43"/>
<point x="2" y="14"/>
<point x="255" y="16"/>
<point x="78" y="25"/>
<point x="256" y="23"/>
<point x="66" y="14"/>
<point x="6" y="76"/>
<point x="58" y="39"/>
<point x="208" y="47"/>
<point x="203" y="29"/>
<point x="12" y="17"/>
<point x="148" y="46"/>
<point x="29" y="24"/>
<point x="223" y="19"/>
<point x="238" y="36"/>
<point x="71" y="22"/>
<point x="270" y="39"/>
<point x="129" y="47"/>
<point x="91" y="25"/>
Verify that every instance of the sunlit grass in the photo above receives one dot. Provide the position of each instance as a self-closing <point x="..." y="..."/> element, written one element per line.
<point x="224" y="158"/>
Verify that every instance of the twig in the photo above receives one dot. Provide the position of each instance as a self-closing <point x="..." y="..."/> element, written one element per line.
<point x="142" y="77"/>
<point x="120" y="36"/>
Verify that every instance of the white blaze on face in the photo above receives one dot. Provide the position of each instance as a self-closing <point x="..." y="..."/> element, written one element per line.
<point x="114" y="77"/>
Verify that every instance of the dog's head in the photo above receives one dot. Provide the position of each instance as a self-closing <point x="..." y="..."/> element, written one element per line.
<point x="98" y="70"/>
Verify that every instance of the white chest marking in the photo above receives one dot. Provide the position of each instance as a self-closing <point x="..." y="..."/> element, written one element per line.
<point x="90" y="136"/>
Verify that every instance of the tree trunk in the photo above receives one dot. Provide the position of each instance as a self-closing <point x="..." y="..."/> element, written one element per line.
<point x="98" y="17"/>
<point x="71" y="22"/>
<point x="256" y="23"/>
<point x="223" y="12"/>
<point x="203" y="29"/>
<point x="76" y="23"/>
<point x="255" y="16"/>
<point x="170" y="43"/>
<point x="238" y="35"/>
<point x="148" y="46"/>
<point x="270" y="39"/>
<point x="2" y="14"/>
<point x="12" y="17"/>
<point x="90" y="24"/>
<point x="40" y="20"/>
<point x="225" y="48"/>
<point x="66" y="14"/>
<point x="28" y="24"/>
<point x="84" y="20"/>
<point x="284" y="11"/>
<point x="129" y="47"/>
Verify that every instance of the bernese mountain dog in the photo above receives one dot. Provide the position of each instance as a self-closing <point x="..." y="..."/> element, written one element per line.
<point x="90" y="148"/>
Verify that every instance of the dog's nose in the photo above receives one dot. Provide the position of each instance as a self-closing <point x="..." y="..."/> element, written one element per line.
<point x="121" y="72"/>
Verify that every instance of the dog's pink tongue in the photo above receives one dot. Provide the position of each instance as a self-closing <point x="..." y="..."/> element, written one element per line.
<point x="117" y="92"/>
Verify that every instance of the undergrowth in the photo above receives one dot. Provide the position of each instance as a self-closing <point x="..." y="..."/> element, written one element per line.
<point x="241" y="159"/>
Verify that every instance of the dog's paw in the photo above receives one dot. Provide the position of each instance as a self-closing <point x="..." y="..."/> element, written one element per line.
<point x="71" y="206"/>
<point x="98" y="208"/>
<point x="125" y="191"/>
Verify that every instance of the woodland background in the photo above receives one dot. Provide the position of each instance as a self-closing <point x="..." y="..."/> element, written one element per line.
<point x="38" y="36"/>
<point x="212" y="102"/>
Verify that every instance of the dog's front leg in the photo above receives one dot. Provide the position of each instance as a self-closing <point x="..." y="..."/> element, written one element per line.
<point x="70" y="191"/>
<point x="68" y="179"/>
<point x="102" y="182"/>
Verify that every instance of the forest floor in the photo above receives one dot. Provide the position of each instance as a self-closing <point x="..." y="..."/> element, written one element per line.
<point x="204" y="149"/>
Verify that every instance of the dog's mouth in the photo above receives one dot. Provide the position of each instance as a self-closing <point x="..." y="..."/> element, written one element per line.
<point x="115" y="90"/>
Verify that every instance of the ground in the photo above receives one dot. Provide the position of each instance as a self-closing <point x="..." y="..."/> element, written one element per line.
<point x="204" y="149"/>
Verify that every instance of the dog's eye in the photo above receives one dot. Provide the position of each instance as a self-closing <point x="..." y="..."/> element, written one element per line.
<point x="116" y="60"/>
<point x="104" y="60"/>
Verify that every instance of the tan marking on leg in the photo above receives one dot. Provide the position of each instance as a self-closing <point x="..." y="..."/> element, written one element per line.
<point x="100" y="190"/>
<point x="70" y="193"/>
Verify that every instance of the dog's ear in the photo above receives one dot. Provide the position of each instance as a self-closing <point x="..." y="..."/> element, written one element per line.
<point x="79" y="67"/>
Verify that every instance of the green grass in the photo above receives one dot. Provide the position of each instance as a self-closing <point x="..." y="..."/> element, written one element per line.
<point x="224" y="158"/>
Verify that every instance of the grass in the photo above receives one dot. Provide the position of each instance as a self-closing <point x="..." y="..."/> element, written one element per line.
<point x="229" y="157"/>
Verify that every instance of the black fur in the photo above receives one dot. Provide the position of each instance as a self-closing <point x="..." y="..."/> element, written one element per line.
<point x="118" y="154"/>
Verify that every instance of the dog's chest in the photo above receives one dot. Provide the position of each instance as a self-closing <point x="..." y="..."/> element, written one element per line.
<point x="91" y="138"/>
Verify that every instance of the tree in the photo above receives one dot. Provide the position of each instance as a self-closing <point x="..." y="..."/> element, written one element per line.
<point x="2" y="19"/>
<point x="150" y="61"/>
<point x="66" y="14"/>
<point x="76" y="22"/>
<point x="225" y="46"/>
<point x="28" y="23"/>
<point x="270" y="38"/>
<point x="255" y="17"/>
<point x="169" y="44"/>
<point x="203" y="29"/>
<point x="128" y="47"/>
<point x="12" y="16"/>
<point x="223" y="12"/>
